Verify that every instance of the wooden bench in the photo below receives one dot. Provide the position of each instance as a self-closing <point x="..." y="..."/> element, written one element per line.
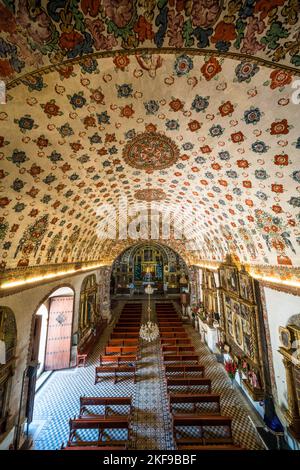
<point x="175" y="341"/>
<point x="175" y="329"/>
<point x="169" y="323"/>
<point x="181" y="358"/>
<point x="177" y="349"/>
<point x="121" y="350"/>
<point x="201" y="422"/>
<point x="123" y="342"/>
<point x="189" y="382"/>
<point x="174" y="334"/>
<point x="103" y="401"/>
<point x="184" y="368"/>
<point x="126" y="329"/>
<point x="115" y="369"/>
<point x="122" y="335"/>
<point x="110" y="422"/>
<point x="117" y="359"/>
<point x="196" y="399"/>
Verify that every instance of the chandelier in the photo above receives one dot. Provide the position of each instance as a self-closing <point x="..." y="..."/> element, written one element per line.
<point x="149" y="331"/>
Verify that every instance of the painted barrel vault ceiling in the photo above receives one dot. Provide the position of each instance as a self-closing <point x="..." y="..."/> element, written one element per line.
<point x="180" y="102"/>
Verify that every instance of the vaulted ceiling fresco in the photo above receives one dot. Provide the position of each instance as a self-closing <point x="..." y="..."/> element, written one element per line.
<point x="217" y="133"/>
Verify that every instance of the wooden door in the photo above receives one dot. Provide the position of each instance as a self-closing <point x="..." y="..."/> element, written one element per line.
<point x="58" y="348"/>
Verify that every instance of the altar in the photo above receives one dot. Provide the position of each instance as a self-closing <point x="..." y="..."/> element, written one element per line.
<point x="208" y="334"/>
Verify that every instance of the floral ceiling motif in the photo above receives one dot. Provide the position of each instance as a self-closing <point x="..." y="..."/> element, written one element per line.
<point x="151" y="194"/>
<point x="45" y="33"/>
<point x="151" y="151"/>
<point x="64" y="141"/>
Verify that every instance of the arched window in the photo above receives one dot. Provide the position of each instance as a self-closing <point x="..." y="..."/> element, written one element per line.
<point x="87" y="312"/>
<point x="8" y="340"/>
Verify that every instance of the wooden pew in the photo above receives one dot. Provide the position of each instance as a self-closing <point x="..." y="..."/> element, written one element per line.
<point x="123" y="342"/>
<point x="174" y="334"/>
<point x="114" y="369"/>
<point x="175" y="341"/>
<point x="196" y="399"/>
<point x="122" y="335"/>
<point x="121" y="350"/>
<point x="110" y="422"/>
<point x="169" y="323"/>
<point x="181" y="358"/>
<point x="201" y="422"/>
<point x="126" y="329"/>
<point x="178" y="349"/>
<point x="184" y="368"/>
<point x="117" y="359"/>
<point x="189" y="382"/>
<point x="103" y="401"/>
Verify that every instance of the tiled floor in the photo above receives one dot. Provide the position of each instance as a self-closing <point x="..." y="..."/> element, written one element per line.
<point x="58" y="400"/>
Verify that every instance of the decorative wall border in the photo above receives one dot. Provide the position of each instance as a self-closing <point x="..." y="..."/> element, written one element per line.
<point x="152" y="50"/>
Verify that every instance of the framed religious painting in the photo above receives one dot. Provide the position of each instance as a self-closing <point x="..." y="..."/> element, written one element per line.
<point x="232" y="279"/>
<point x="246" y="287"/>
<point x="285" y="337"/>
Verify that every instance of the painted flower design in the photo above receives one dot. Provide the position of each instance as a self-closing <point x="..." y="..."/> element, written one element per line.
<point x="245" y="71"/>
<point x="261" y="174"/>
<point x="259" y="147"/>
<point x="124" y="91"/>
<point x="127" y="111"/>
<point x="172" y="124"/>
<point x="176" y="104"/>
<point x="18" y="157"/>
<point x="200" y="103"/>
<point x="216" y="130"/>
<point x="194" y="125"/>
<point x="224" y="155"/>
<point x="281" y="160"/>
<point x="211" y="68"/>
<point x="121" y="61"/>
<point x="279" y="127"/>
<point x="252" y="115"/>
<point x="231" y="174"/>
<point x="77" y="100"/>
<point x="95" y="139"/>
<point x="151" y="106"/>
<point x="226" y="109"/>
<point x="280" y="78"/>
<point x="237" y="137"/>
<point x="51" y="109"/>
<point x="103" y="118"/>
<point x="18" y="185"/>
<point x="26" y="123"/>
<point x="89" y="65"/>
<point x="294" y="201"/>
<point x="97" y="96"/>
<point x="65" y="130"/>
<point x="296" y="175"/>
<point x="183" y="65"/>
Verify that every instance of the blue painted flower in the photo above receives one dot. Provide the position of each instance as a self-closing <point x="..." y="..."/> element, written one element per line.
<point x="6" y="245"/>
<point x="66" y="130"/>
<point x="222" y="202"/>
<point x="296" y="175"/>
<point x="113" y="150"/>
<point x="261" y="174"/>
<point x="294" y="201"/>
<point x="216" y="189"/>
<point x="69" y="193"/>
<point x="209" y="175"/>
<point x="237" y="191"/>
<point x="74" y="177"/>
<point x="34" y="83"/>
<point x="26" y="123"/>
<point x="245" y="71"/>
<point x="183" y="65"/>
<point x="119" y="168"/>
<point x="231" y="174"/>
<point x="216" y="130"/>
<point x="297" y="143"/>
<point x="77" y="100"/>
<point x="18" y="157"/>
<point x="55" y="157"/>
<point x="130" y="134"/>
<point x="200" y="160"/>
<point x="49" y="179"/>
<point x="151" y="107"/>
<point x="252" y="115"/>
<point x="19" y="207"/>
<point x="261" y="195"/>
<point x="259" y="147"/>
<point x="103" y="118"/>
<point x="240" y="207"/>
<point x="224" y="155"/>
<point x="200" y="103"/>
<point x="18" y="185"/>
<point x="106" y="163"/>
<point x="45" y="199"/>
<point x="89" y="65"/>
<point x="180" y="166"/>
<point x="95" y="139"/>
<point x="124" y="91"/>
<point x="172" y="124"/>
<point x="188" y="146"/>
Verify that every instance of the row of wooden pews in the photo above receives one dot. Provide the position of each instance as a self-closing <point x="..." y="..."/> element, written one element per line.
<point x="196" y="411"/>
<point x="119" y="357"/>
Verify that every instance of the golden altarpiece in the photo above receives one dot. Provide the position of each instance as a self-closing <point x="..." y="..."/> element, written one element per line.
<point x="240" y="326"/>
<point x="290" y="350"/>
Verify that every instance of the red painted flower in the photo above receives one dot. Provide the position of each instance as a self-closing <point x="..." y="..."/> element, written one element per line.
<point x="210" y="68"/>
<point x="65" y="167"/>
<point x="151" y="128"/>
<point x="237" y="137"/>
<point x="90" y="7"/>
<point x="76" y="146"/>
<point x="205" y="149"/>
<point x="89" y="121"/>
<point x="42" y="142"/>
<point x="223" y="183"/>
<point x="278" y="245"/>
<point x="66" y="71"/>
<point x="110" y="137"/>
<point x="184" y="157"/>
<point x="70" y="40"/>
<point x="4" y="201"/>
<point x="224" y="32"/>
<point x="143" y="29"/>
<point x="127" y="111"/>
<point x="33" y="212"/>
<point x="15" y="228"/>
<point x="121" y="61"/>
<point x="277" y="209"/>
<point x="250" y="218"/>
<point x="277" y="188"/>
<point x="51" y="109"/>
<point x="247" y="184"/>
<point x="3" y="174"/>
<point x="279" y="127"/>
<point x="280" y="78"/>
<point x="33" y="192"/>
<point x="194" y="125"/>
<point x="226" y="109"/>
<point x="216" y="166"/>
<point x="228" y="197"/>
<point x="242" y="163"/>
<point x="249" y="202"/>
<point x="35" y="170"/>
<point x="176" y="105"/>
<point x="264" y="6"/>
<point x="281" y="160"/>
